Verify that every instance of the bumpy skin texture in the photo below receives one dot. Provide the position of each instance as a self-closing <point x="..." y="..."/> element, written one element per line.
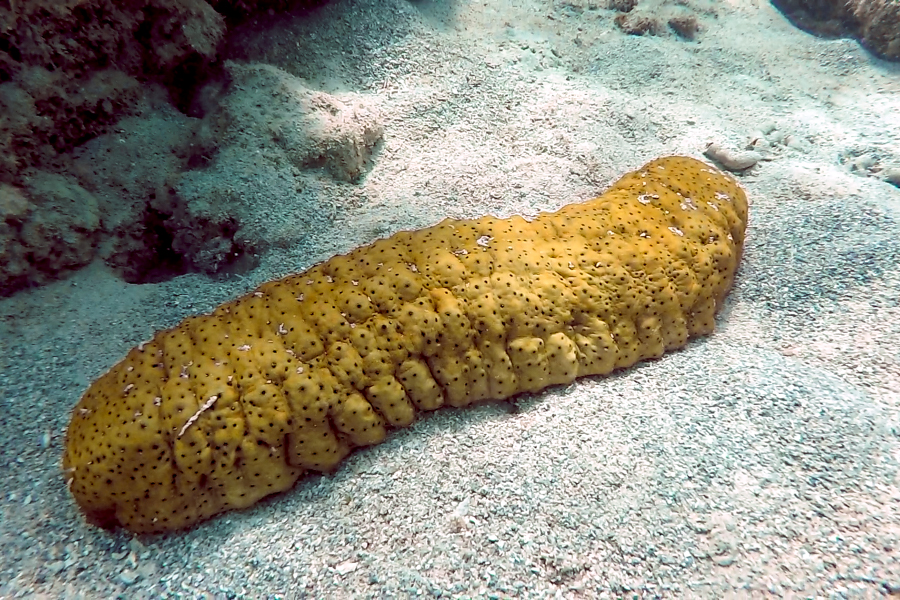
<point x="230" y="407"/>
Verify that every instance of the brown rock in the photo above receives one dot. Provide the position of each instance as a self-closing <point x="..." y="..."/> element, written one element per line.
<point x="47" y="228"/>
<point x="875" y="23"/>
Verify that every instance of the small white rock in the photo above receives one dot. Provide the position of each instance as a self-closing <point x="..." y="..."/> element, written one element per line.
<point x="892" y="175"/>
<point x="128" y="577"/>
<point x="346" y="567"/>
<point x="733" y="160"/>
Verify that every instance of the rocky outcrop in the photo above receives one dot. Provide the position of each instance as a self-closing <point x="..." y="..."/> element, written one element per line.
<point x="875" y="23"/>
<point x="69" y="71"/>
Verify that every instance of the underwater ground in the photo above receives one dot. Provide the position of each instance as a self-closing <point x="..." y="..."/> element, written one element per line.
<point x="760" y="460"/>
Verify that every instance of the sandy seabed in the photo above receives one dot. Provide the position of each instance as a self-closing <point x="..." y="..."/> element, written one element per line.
<point x="760" y="461"/>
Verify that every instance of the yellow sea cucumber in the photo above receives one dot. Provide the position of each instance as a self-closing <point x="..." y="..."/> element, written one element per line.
<point x="229" y="407"/>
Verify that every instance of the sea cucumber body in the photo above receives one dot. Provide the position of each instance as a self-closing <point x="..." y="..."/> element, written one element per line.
<point x="227" y="408"/>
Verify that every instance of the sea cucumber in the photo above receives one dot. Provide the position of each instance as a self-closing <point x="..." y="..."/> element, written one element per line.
<point x="227" y="408"/>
